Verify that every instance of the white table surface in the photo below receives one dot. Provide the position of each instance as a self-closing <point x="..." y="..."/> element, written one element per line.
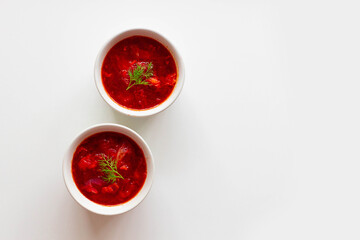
<point x="263" y="142"/>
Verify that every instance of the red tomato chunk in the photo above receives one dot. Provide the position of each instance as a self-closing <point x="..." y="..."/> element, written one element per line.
<point x="129" y="160"/>
<point x="125" y="56"/>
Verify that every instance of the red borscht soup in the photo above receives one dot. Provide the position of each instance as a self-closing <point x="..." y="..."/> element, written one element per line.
<point x="109" y="168"/>
<point x="139" y="73"/>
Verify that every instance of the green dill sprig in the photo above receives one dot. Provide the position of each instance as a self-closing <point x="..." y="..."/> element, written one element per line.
<point x="109" y="167"/>
<point x="138" y="76"/>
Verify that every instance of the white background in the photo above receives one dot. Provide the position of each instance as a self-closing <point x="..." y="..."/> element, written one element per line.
<point x="263" y="142"/>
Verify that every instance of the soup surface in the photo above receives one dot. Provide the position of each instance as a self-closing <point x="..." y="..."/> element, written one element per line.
<point x="109" y="168"/>
<point x="139" y="73"/>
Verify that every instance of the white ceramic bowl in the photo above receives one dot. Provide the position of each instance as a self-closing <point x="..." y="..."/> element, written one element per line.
<point x="147" y="33"/>
<point x="87" y="203"/>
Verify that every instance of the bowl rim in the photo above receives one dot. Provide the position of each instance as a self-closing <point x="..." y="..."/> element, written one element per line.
<point x="165" y="42"/>
<point x="87" y="203"/>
